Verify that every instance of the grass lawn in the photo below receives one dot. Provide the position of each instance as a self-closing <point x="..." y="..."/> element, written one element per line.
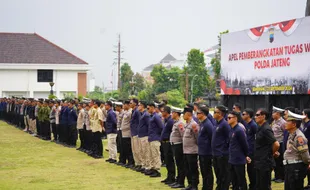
<point x="27" y="162"/>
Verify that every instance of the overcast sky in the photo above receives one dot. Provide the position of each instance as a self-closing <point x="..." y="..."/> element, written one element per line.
<point x="149" y="28"/>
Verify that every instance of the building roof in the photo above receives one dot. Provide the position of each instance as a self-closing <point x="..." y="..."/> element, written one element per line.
<point x="167" y="59"/>
<point x="34" y="49"/>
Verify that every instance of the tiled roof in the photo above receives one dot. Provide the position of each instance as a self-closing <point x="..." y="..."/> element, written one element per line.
<point x="32" y="48"/>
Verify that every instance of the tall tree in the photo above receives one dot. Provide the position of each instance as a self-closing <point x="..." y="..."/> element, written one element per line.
<point x="197" y="71"/>
<point x="165" y="79"/>
<point x="139" y="83"/>
<point x="126" y="78"/>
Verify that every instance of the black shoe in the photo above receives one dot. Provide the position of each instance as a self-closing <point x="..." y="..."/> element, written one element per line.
<point x="188" y="188"/>
<point x="169" y="182"/>
<point x="164" y="181"/>
<point x="148" y="172"/>
<point x="141" y="170"/>
<point x="113" y="161"/>
<point x="177" y="186"/>
<point x="79" y="148"/>
<point x="98" y="157"/>
<point x="155" y="174"/>
<point x="279" y="181"/>
<point x="109" y="160"/>
<point x="175" y="183"/>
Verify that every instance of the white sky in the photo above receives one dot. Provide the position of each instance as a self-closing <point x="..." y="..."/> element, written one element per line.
<point x="149" y="29"/>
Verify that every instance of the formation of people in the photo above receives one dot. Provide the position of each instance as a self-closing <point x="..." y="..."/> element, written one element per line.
<point x="230" y="143"/>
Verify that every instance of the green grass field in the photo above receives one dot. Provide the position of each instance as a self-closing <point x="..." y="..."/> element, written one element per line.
<point x="27" y="162"/>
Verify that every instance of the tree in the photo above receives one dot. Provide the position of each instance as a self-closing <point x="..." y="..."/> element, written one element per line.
<point x="165" y="79"/>
<point x="197" y="66"/>
<point x="147" y="94"/>
<point x="139" y="83"/>
<point x="174" y="98"/>
<point x="126" y="77"/>
<point x="97" y="94"/>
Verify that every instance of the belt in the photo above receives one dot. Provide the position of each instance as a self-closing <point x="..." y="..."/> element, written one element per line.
<point x="167" y="141"/>
<point x="286" y="162"/>
<point x="172" y="143"/>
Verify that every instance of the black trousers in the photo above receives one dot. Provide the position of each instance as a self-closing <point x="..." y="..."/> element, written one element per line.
<point x="82" y="138"/>
<point x="237" y="173"/>
<point x="97" y="143"/>
<point x="251" y="173"/>
<point x="1" y="115"/>
<point x="54" y="131"/>
<point x="169" y="161"/>
<point x="294" y="176"/>
<point x="162" y="155"/>
<point x="206" y="172"/>
<point x="308" y="177"/>
<point x="21" y="122"/>
<point x="119" y="146"/>
<point x="221" y="170"/>
<point x="60" y="133"/>
<point x="178" y="155"/>
<point x="57" y="132"/>
<point x="192" y="173"/>
<point x="263" y="179"/>
<point x="127" y="151"/>
<point x="72" y="135"/>
<point x="65" y="133"/>
<point x="38" y="126"/>
<point x="46" y="130"/>
<point x="279" y="169"/>
<point x="88" y="138"/>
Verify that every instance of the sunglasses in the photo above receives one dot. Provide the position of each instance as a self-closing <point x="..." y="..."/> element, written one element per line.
<point x="229" y="118"/>
<point x="216" y="112"/>
<point x="258" y="114"/>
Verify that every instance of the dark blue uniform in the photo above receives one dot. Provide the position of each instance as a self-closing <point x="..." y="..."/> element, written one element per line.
<point x="111" y="123"/>
<point x="165" y="143"/>
<point x="251" y="130"/>
<point x="220" y="145"/>
<point x="72" y="133"/>
<point x="306" y="131"/>
<point x="211" y="119"/>
<point x="205" y="153"/>
<point x="143" y="126"/>
<point x="238" y="151"/>
<point x="134" y="122"/>
<point x="63" y="122"/>
<point x="155" y="128"/>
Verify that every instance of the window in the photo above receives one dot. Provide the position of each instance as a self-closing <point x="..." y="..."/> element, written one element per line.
<point x="45" y="75"/>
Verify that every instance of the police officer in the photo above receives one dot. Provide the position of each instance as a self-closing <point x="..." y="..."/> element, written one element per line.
<point x="220" y="145"/>
<point x="278" y="128"/>
<point x="190" y="149"/>
<point x="266" y="146"/>
<point x="176" y="140"/>
<point x="204" y="148"/>
<point x="165" y="143"/>
<point x="134" y="123"/>
<point x="143" y="132"/>
<point x="296" y="156"/>
<point x="126" y="136"/>
<point x="154" y="132"/>
<point x="251" y="130"/>
<point x="238" y="152"/>
<point x="96" y="120"/>
<point x="72" y="119"/>
<point x="111" y="130"/>
<point x="119" y="114"/>
<point x="306" y="131"/>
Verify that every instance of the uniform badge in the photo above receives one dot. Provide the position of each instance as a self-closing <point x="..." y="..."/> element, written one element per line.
<point x="181" y="127"/>
<point x="194" y="127"/>
<point x="301" y="145"/>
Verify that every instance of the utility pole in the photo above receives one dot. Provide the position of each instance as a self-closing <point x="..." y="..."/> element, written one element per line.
<point x="118" y="59"/>
<point x="119" y="62"/>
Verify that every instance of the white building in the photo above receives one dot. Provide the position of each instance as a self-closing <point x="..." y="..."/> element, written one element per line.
<point x="28" y="63"/>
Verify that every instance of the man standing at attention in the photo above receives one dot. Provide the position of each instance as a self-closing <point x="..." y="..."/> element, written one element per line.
<point x="251" y="130"/>
<point x="134" y="123"/>
<point x="154" y="132"/>
<point x="266" y="146"/>
<point x="111" y="131"/>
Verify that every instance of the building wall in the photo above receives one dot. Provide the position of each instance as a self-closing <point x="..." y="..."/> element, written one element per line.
<point x="82" y="80"/>
<point x="24" y="82"/>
